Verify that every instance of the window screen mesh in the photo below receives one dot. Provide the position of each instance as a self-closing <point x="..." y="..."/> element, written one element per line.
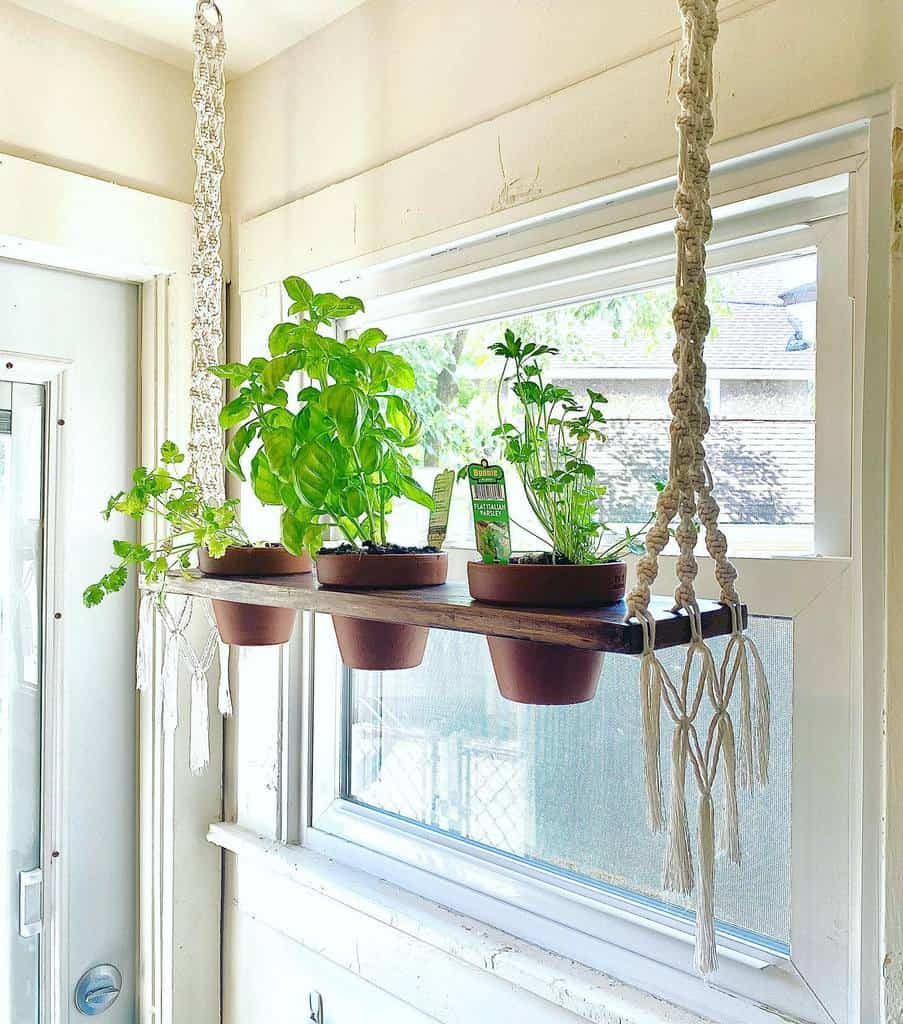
<point x="560" y="786"/>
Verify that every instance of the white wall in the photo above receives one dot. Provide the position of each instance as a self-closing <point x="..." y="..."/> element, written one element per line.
<point x="267" y="991"/>
<point x="82" y="104"/>
<point x="385" y="129"/>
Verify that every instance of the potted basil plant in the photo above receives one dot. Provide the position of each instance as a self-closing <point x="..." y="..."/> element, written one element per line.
<point x="328" y="430"/>
<point x="196" y="530"/>
<point x="549" y="448"/>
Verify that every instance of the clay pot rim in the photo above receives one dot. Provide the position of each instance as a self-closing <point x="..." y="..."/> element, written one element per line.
<point x="539" y="566"/>
<point x="548" y="586"/>
<point x="271" y="559"/>
<point x="270" y="545"/>
<point x="383" y="572"/>
<point x="381" y="554"/>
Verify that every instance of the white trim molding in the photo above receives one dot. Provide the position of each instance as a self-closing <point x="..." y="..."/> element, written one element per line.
<point x="361" y="923"/>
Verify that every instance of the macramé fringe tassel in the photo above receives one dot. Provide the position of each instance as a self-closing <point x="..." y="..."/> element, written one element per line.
<point x="678" y="871"/>
<point x="746" y="735"/>
<point x="729" y="834"/>
<point x="651" y="701"/>
<point x="176" y="619"/>
<point x="224" y="699"/>
<point x="224" y="694"/>
<point x="755" y="709"/>
<point x="738" y="763"/>
<point x="763" y="714"/>
<point x="199" y="752"/>
<point x="169" y="681"/>
<point x="706" y="959"/>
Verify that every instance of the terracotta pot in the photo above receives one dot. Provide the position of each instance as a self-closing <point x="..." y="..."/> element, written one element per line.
<point x="531" y="672"/>
<point x="548" y="586"/>
<point x="380" y="646"/>
<point x="254" y="625"/>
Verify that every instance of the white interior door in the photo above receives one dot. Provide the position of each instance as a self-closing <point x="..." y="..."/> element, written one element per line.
<point x="21" y="515"/>
<point x="71" y="344"/>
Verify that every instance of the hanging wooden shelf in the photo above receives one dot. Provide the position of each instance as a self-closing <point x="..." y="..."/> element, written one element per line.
<point x="450" y="606"/>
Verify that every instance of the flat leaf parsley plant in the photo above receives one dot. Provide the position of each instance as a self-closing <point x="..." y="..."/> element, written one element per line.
<point x="549" y="449"/>
<point x="173" y="497"/>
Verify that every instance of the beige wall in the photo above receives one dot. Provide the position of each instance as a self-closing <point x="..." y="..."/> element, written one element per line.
<point x="76" y="102"/>
<point x="386" y="128"/>
<point x="394" y="76"/>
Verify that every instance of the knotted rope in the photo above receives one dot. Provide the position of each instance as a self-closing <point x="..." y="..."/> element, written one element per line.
<point x="686" y="496"/>
<point x="205" y="446"/>
<point x="175" y="614"/>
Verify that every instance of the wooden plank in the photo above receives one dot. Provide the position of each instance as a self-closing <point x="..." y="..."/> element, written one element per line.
<point x="451" y="607"/>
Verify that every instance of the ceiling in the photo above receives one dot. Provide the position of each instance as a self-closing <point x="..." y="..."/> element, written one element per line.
<point x="255" y="29"/>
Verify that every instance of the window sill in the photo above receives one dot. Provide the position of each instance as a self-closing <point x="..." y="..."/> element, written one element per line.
<point x="563" y="983"/>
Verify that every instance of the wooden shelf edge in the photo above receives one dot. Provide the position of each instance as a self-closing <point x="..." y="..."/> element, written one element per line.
<point x="450" y="607"/>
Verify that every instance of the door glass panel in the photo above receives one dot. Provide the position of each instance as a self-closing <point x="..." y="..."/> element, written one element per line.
<point x="21" y="514"/>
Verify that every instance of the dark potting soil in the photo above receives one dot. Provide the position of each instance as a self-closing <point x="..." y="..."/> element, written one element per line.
<point x="369" y="548"/>
<point x="539" y="558"/>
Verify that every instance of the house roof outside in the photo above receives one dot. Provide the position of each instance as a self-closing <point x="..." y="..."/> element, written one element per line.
<point x="760" y="326"/>
<point x="764" y="469"/>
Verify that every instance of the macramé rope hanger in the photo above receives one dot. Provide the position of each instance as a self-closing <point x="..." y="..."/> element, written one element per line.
<point x="205" y="445"/>
<point x="717" y="759"/>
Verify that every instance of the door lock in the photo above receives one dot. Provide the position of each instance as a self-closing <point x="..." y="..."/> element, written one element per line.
<point x="97" y="989"/>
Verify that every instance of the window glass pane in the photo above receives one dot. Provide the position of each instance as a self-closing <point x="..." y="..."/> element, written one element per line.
<point x="761" y="394"/>
<point x="561" y="786"/>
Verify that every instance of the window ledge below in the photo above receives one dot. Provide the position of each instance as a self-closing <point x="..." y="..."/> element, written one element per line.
<point x="571" y="986"/>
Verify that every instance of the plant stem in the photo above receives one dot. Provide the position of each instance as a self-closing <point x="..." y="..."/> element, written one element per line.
<point x="366" y="490"/>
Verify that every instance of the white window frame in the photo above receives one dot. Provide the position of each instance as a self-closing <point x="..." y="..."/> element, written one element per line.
<point x="833" y="935"/>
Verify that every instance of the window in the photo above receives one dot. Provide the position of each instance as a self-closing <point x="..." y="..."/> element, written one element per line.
<point x="761" y="393"/>
<point x="557" y="787"/>
<point x="532" y="819"/>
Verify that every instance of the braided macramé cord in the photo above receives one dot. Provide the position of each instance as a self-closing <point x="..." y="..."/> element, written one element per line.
<point x="688" y="494"/>
<point x="205" y="446"/>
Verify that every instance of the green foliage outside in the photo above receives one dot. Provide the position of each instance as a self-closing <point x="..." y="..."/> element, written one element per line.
<point x="455" y="394"/>
<point x="192" y="524"/>
<point x="341" y="459"/>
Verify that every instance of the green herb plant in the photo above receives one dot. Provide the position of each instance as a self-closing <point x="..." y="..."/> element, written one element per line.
<point x="548" y="447"/>
<point x="330" y="448"/>
<point x="192" y="524"/>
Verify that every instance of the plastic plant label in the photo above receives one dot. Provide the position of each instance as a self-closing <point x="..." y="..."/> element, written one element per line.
<point x="443" y="486"/>
<point x="491" y="522"/>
